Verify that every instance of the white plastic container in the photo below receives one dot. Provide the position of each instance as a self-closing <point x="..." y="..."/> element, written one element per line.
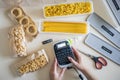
<point x="54" y="10"/>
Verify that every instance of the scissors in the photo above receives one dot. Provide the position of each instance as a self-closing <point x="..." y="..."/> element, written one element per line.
<point x="99" y="61"/>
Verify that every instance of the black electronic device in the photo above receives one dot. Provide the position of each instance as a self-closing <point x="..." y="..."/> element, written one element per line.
<point x="62" y="50"/>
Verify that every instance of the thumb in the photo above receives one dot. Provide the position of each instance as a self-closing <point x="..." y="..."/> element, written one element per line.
<point x="76" y="64"/>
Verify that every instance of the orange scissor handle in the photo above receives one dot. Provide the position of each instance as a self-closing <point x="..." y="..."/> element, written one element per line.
<point x="99" y="62"/>
<point x="102" y="60"/>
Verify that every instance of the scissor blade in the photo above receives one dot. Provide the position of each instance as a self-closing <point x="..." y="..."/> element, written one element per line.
<point x="85" y="53"/>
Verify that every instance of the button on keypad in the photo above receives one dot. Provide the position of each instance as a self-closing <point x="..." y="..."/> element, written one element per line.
<point x="63" y="54"/>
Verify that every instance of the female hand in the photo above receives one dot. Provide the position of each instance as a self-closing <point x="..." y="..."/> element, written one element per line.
<point x="55" y="74"/>
<point x="78" y="62"/>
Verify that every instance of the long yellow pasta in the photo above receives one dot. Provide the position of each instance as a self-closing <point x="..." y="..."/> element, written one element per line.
<point x="66" y="27"/>
<point x="68" y="9"/>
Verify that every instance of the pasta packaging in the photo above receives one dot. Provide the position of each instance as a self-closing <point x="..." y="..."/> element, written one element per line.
<point x="32" y="63"/>
<point x="17" y="41"/>
<point x="18" y="15"/>
<point x="65" y="27"/>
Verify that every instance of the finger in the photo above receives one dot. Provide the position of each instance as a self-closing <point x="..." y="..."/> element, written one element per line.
<point x="62" y="72"/>
<point x="73" y="61"/>
<point x="54" y="65"/>
<point x="77" y="55"/>
<point x="75" y="51"/>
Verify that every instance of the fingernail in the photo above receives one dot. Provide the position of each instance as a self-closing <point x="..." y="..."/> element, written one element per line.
<point x="69" y="57"/>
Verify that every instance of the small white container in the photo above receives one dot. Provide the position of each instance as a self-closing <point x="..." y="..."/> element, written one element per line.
<point x="92" y="9"/>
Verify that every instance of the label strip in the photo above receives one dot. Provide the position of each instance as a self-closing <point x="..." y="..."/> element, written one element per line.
<point x="115" y="7"/>
<point x="105" y="29"/>
<point x="103" y="47"/>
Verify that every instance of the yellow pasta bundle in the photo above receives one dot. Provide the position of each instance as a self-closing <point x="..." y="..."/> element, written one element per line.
<point x="68" y="9"/>
<point x="66" y="27"/>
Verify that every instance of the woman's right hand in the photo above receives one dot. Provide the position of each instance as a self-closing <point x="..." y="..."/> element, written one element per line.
<point x="78" y="63"/>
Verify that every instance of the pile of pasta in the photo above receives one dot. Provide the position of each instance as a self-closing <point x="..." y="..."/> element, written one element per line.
<point x="32" y="63"/>
<point x="68" y="9"/>
<point x="17" y="41"/>
<point x="25" y="27"/>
